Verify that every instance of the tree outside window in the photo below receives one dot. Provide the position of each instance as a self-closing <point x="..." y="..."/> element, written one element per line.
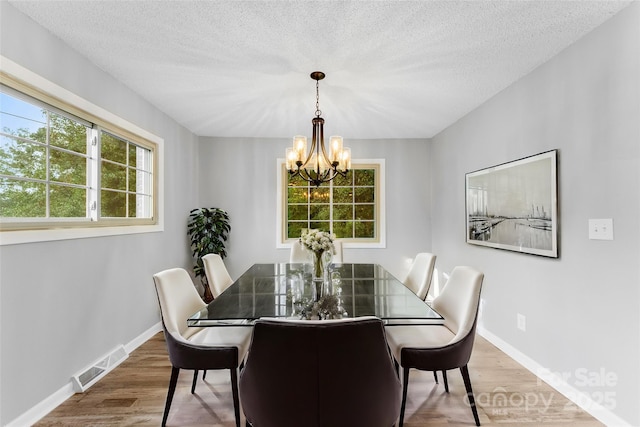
<point x="346" y="206"/>
<point x="46" y="159"/>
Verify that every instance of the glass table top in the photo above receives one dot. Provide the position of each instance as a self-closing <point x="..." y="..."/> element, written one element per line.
<point x="281" y="290"/>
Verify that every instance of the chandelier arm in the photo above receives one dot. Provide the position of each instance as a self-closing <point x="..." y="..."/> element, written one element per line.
<point x="311" y="151"/>
<point x="324" y="152"/>
<point x="320" y="179"/>
<point x="316" y="143"/>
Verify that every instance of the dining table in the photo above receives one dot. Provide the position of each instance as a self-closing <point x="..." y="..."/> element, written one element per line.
<point x="287" y="290"/>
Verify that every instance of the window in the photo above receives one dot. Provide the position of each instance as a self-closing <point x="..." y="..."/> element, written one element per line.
<point x="60" y="169"/>
<point x="125" y="176"/>
<point x="350" y="207"/>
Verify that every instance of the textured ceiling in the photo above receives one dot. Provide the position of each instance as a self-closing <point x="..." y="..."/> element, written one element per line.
<point x="395" y="69"/>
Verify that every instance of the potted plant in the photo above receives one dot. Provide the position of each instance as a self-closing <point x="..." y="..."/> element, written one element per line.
<point x="208" y="230"/>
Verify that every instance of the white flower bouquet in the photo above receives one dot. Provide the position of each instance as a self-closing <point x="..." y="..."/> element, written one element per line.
<point x="318" y="241"/>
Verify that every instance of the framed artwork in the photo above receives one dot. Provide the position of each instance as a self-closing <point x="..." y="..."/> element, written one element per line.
<point x="514" y="206"/>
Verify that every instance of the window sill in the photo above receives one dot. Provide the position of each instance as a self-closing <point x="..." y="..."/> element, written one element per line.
<point x="19" y="237"/>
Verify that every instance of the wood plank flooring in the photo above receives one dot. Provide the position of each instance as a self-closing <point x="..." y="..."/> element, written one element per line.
<point x="134" y="394"/>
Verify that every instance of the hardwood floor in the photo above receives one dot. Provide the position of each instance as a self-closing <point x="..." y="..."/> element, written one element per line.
<point x="134" y="394"/>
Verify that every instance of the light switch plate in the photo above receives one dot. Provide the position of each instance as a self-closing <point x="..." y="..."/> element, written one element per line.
<point x="601" y="229"/>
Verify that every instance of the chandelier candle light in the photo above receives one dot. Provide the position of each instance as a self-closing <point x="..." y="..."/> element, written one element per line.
<point x="317" y="166"/>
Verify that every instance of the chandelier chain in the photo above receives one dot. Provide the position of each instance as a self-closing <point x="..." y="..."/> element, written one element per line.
<point x="318" y="112"/>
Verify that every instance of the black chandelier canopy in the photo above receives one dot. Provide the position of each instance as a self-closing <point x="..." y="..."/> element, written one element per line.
<point x="318" y="165"/>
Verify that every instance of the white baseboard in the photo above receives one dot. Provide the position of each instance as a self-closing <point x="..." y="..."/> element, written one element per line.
<point x="37" y="412"/>
<point x="44" y="407"/>
<point x="579" y="398"/>
<point x="143" y="337"/>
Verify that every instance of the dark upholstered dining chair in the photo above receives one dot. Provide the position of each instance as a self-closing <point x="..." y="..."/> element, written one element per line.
<point x="330" y="373"/>
<point x="196" y="348"/>
<point x="447" y="346"/>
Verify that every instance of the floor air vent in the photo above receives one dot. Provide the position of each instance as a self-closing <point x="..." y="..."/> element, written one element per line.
<point x="92" y="374"/>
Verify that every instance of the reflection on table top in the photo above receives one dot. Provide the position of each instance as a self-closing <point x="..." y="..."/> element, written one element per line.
<point x="265" y="290"/>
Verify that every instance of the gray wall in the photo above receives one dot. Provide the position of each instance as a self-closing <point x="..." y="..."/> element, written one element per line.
<point x="64" y="304"/>
<point x="239" y="175"/>
<point x="582" y="310"/>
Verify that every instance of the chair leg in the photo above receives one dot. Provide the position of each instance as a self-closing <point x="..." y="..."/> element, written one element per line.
<point x="172" y="388"/>
<point x="467" y="385"/>
<point x="405" y="384"/>
<point x="234" y="392"/>
<point x="193" y="384"/>
<point x="435" y="376"/>
<point x="446" y="383"/>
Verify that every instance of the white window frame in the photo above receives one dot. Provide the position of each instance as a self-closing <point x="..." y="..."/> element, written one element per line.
<point x="39" y="83"/>
<point x="282" y="242"/>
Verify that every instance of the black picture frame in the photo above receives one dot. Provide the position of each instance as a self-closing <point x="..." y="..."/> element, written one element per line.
<point x="514" y="206"/>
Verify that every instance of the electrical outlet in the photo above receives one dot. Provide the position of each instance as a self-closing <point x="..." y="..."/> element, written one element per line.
<point x="601" y="229"/>
<point x="522" y="322"/>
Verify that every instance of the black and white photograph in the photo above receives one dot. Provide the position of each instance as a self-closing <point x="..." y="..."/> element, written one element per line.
<point x="513" y="206"/>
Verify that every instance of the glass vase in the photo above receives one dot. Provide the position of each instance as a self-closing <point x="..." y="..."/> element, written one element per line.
<point x="318" y="266"/>
<point x="321" y="260"/>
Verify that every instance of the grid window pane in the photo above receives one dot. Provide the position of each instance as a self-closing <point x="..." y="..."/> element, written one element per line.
<point x="126" y="166"/>
<point x="319" y="195"/>
<point x="143" y="182"/>
<point x="67" y="202"/>
<point x="364" y="177"/>
<point x="113" y="204"/>
<point x="20" y="158"/>
<point x="68" y="134"/>
<point x="345" y="206"/>
<point x="297" y="181"/>
<point x="297" y="195"/>
<point x="298" y="212"/>
<point x="114" y="176"/>
<point x="294" y="229"/>
<point x="364" y="194"/>
<point x="133" y="151"/>
<point x="364" y="212"/>
<point x="144" y="207"/>
<point x="20" y="118"/>
<point x="343" y="230"/>
<point x="67" y="167"/>
<point x="132" y="177"/>
<point x="22" y="199"/>
<point x="131" y="206"/>
<point x="364" y="229"/>
<point x="323" y="226"/>
<point x="342" y="212"/>
<point x="343" y="180"/>
<point x="113" y="148"/>
<point x="319" y="212"/>
<point x="343" y="195"/>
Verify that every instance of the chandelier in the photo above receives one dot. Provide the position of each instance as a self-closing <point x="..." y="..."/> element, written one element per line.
<point x="318" y="166"/>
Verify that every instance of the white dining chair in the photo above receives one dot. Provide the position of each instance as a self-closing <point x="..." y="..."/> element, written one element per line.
<point x="337" y="256"/>
<point x="420" y="274"/>
<point x="196" y="348"/>
<point x="442" y="347"/>
<point x="299" y="254"/>
<point x="217" y="275"/>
